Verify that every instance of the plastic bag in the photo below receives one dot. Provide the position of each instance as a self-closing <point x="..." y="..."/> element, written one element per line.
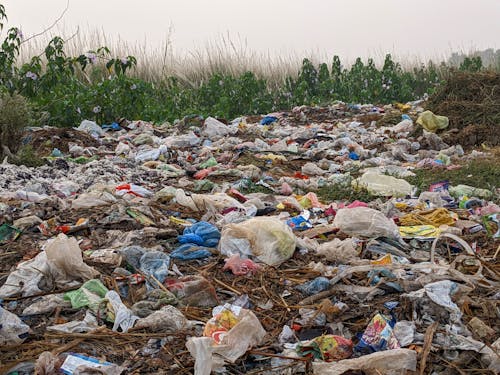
<point x="155" y="263"/>
<point x="65" y="254"/>
<point x="469" y="191"/>
<point x="88" y="324"/>
<point x="168" y="320"/>
<point x="390" y="362"/>
<point x="232" y="331"/>
<point x="365" y="222"/>
<point x="268" y="239"/>
<point x="319" y="284"/>
<point x="343" y="251"/>
<point x="121" y="315"/>
<point x="91" y="128"/>
<point x="240" y="266"/>
<point x="93" y="199"/>
<point x="383" y="185"/>
<point x="193" y="291"/>
<point x="201" y="233"/>
<point x="150" y="154"/>
<point x="90" y="294"/>
<point x="214" y="129"/>
<point x="133" y="189"/>
<point x="12" y="330"/>
<point x="431" y="122"/>
<point x="46" y="304"/>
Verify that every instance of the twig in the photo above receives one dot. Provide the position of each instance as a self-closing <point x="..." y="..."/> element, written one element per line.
<point x="429" y="334"/>
<point x="227" y="287"/>
<point x="51" y="26"/>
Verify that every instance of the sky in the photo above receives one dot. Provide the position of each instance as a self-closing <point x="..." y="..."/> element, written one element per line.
<point x="348" y="28"/>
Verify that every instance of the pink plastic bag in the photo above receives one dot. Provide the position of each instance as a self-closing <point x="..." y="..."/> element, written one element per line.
<point x="239" y="266"/>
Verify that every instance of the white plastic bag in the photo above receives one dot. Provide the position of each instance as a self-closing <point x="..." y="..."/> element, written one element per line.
<point x="124" y="318"/>
<point x="365" y="222"/>
<point x="268" y="239"/>
<point x="214" y="129"/>
<point x="12" y="330"/>
<point x="338" y="250"/>
<point x="383" y="185"/>
<point x="387" y="362"/>
<point x="91" y="128"/>
<point x="93" y="199"/>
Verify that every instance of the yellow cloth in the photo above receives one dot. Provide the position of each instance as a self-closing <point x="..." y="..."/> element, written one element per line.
<point x="437" y="217"/>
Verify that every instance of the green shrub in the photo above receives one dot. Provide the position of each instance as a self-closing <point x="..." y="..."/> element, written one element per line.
<point x="14" y="117"/>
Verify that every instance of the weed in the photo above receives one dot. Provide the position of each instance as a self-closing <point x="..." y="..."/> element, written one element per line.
<point x="27" y="156"/>
<point x="482" y="173"/>
<point x="14" y="117"/>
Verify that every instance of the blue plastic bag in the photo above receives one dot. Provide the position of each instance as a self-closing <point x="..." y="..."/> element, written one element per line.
<point x="190" y="251"/>
<point x="202" y="234"/>
<point x="268" y="120"/>
<point x="353" y="156"/>
<point x="315" y="286"/>
<point x="155" y="263"/>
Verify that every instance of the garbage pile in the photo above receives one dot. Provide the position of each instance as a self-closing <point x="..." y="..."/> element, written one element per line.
<point x="216" y="247"/>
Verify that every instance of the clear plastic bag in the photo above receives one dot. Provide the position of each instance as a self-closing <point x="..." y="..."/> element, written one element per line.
<point x="268" y="239"/>
<point x="383" y="185"/>
<point x="365" y="222"/>
<point x="12" y="330"/>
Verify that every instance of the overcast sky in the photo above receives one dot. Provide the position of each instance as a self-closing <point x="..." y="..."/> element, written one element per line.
<point x="345" y="27"/>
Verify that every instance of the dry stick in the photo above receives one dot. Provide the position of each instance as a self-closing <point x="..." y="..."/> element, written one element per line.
<point x="227" y="287"/>
<point x="67" y="346"/>
<point x="429" y="334"/>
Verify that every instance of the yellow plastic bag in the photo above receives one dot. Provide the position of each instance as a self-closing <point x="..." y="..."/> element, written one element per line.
<point x="431" y="122"/>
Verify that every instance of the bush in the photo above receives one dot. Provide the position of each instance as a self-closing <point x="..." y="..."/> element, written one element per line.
<point x="14" y="117"/>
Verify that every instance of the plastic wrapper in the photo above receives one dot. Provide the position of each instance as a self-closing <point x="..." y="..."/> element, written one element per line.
<point x="326" y="348"/>
<point x="383" y="185"/>
<point x="77" y="364"/>
<point x="378" y="335"/>
<point x="12" y="330"/>
<point x="365" y="222"/>
<point x="267" y="239"/>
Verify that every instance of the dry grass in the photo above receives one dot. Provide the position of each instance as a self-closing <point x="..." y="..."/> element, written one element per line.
<point x="223" y="55"/>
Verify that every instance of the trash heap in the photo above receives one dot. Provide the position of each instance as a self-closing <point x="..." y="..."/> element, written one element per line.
<point x="291" y="243"/>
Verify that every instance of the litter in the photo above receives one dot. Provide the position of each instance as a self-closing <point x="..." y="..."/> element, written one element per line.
<point x="305" y="241"/>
